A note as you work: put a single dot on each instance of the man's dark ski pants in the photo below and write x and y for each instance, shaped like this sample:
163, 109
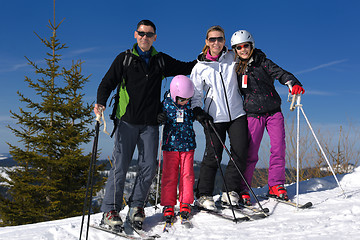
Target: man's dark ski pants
127, 137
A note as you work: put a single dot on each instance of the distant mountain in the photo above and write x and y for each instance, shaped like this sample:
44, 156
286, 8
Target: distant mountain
4, 156
6, 160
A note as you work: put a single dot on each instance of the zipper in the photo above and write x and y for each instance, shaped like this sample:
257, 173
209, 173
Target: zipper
226, 98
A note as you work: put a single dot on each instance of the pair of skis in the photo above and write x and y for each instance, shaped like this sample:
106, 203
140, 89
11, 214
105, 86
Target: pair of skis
249, 212
127, 231
288, 202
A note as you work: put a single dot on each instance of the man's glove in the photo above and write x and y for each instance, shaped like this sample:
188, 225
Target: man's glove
297, 89
202, 116
161, 118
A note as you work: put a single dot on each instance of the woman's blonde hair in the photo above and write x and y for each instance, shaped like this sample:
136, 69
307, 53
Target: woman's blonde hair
213, 28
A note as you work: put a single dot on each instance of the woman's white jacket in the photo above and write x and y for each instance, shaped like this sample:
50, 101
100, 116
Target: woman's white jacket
216, 88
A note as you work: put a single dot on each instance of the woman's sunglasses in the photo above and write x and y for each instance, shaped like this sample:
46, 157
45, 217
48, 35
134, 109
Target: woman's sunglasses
239, 47
213, 39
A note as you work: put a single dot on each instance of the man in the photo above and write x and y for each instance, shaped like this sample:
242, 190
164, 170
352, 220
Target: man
136, 120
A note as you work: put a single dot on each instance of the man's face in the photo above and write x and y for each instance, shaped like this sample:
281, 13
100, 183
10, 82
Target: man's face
145, 42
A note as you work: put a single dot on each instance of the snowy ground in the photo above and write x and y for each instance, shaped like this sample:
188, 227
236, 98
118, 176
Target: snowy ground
331, 217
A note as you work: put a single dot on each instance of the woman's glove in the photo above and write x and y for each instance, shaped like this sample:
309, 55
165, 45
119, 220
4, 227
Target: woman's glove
201, 116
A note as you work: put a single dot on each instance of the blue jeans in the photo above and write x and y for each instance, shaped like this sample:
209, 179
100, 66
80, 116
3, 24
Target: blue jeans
127, 137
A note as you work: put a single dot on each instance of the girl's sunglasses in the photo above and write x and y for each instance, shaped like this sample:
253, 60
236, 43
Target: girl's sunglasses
183, 99
239, 47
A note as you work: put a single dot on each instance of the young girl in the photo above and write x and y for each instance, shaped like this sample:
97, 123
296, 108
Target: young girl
256, 75
178, 148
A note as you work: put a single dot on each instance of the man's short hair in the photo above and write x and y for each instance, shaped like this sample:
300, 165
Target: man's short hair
146, 23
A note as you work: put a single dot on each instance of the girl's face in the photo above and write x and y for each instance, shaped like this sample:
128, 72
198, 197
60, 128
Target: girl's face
243, 50
216, 42
182, 101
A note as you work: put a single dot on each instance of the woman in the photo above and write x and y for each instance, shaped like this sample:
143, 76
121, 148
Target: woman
217, 89
256, 75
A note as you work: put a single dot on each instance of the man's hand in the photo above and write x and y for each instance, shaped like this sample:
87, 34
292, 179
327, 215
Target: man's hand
99, 109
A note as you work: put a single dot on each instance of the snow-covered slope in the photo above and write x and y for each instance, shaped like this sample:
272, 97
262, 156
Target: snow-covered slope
331, 217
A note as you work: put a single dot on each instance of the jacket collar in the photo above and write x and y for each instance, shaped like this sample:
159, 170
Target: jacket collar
135, 52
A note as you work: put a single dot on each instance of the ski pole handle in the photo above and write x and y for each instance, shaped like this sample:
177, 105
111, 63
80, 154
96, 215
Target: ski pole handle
293, 97
100, 117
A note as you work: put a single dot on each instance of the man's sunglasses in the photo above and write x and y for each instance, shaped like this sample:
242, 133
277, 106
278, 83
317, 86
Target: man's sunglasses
183, 99
239, 47
213, 39
148, 34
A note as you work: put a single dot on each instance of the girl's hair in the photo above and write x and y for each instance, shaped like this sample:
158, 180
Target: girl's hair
242, 65
213, 28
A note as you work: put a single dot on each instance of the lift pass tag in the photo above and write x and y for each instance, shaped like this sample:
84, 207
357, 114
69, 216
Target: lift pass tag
244, 81
180, 115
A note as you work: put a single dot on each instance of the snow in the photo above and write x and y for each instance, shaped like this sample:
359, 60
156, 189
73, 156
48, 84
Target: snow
333, 216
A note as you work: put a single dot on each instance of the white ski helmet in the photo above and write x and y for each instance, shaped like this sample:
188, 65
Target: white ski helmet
181, 86
242, 36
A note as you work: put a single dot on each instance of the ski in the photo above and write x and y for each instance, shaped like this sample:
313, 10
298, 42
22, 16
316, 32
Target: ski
240, 209
186, 222
130, 228
252, 215
219, 214
265, 211
169, 225
118, 233
288, 202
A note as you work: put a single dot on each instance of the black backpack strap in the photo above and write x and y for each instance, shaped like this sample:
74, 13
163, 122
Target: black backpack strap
127, 60
161, 63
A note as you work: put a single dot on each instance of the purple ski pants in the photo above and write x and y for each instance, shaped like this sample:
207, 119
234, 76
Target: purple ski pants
274, 125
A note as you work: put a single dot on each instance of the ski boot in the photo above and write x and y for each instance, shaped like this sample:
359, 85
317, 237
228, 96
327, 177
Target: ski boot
136, 217
234, 198
168, 212
245, 198
185, 210
113, 220
206, 202
278, 191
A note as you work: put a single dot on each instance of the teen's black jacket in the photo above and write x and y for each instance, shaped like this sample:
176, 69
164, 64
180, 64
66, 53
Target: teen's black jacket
260, 95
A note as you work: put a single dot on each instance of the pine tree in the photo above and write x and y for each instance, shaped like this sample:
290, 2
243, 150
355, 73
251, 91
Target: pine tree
50, 180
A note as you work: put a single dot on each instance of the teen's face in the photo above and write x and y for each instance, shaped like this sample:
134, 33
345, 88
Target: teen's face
216, 42
243, 50
145, 42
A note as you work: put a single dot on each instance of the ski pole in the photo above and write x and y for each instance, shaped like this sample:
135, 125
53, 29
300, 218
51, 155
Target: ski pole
299, 106
237, 168
222, 174
90, 179
159, 167
297, 98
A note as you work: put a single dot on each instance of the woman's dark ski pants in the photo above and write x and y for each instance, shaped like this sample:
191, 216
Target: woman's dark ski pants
238, 135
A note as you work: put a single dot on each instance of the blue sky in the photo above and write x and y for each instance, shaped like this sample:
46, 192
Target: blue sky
317, 41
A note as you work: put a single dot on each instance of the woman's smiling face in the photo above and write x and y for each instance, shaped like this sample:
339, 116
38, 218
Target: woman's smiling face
216, 42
